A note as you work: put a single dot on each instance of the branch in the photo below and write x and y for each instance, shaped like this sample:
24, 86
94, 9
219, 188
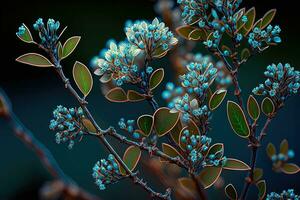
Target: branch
100, 134
151, 149
45, 156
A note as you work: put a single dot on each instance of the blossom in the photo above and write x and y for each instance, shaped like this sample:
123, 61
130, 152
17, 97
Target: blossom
284, 195
106, 171
118, 63
154, 38
67, 124
282, 81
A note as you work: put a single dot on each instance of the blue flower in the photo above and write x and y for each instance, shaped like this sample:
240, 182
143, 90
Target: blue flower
282, 81
141, 35
149, 70
67, 124
106, 171
284, 195
21, 31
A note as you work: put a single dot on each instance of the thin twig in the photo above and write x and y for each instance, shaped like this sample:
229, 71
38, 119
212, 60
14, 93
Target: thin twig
45, 156
101, 137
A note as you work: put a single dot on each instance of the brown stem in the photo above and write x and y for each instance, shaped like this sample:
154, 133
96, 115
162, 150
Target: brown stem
101, 137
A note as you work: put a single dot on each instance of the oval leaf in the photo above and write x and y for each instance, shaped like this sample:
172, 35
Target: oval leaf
253, 108
156, 78
70, 45
235, 164
237, 119
176, 132
131, 158
164, 121
290, 168
26, 37
34, 59
209, 175
267, 106
261, 186
83, 78
216, 149
59, 50
217, 98
89, 125
184, 31
188, 184
145, 123
245, 54
169, 150
116, 94
267, 18
271, 150
134, 96
284, 147
257, 174
230, 192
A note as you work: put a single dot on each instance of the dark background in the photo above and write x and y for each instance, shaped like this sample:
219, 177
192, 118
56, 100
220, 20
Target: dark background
35, 92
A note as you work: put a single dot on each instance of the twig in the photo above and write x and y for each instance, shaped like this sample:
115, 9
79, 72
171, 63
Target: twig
45, 156
101, 137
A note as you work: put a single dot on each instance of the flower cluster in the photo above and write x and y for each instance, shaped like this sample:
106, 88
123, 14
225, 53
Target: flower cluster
154, 38
67, 124
106, 171
196, 146
128, 126
283, 157
47, 34
170, 92
282, 81
118, 63
21, 31
189, 107
285, 195
198, 77
258, 38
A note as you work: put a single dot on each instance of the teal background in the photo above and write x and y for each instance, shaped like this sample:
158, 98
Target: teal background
35, 92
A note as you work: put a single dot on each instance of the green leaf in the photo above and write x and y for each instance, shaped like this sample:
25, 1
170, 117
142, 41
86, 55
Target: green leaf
88, 125
267, 106
185, 31
83, 78
59, 50
176, 132
235, 164
230, 192
70, 45
216, 149
134, 96
271, 150
34, 59
261, 186
251, 18
290, 168
131, 158
267, 18
160, 52
237, 119
284, 147
146, 123
156, 78
164, 121
116, 94
188, 184
209, 175
245, 54
197, 34
170, 151
257, 174
26, 37
253, 108
217, 98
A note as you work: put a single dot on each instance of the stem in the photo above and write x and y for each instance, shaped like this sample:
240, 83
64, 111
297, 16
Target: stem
46, 158
200, 189
151, 149
101, 137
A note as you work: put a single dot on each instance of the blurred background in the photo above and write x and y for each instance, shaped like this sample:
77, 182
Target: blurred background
35, 92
